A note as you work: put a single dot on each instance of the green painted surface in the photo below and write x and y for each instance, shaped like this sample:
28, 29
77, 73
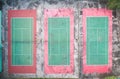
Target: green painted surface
22, 41
59, 41
97, 40
0, 44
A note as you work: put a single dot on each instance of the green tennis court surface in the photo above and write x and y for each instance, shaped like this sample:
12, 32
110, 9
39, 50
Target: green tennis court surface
0, 45
59, 41
97, 40
22, 41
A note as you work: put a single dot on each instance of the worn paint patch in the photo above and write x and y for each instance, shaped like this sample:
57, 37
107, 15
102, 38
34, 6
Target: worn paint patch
67, 33
92, 65
21, 41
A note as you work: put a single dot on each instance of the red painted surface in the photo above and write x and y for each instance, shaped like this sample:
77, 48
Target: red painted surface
58, 13
97, 68
21, 69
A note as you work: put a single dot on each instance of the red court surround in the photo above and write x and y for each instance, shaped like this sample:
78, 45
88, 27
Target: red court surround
97, 68
58, 13
21, 69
